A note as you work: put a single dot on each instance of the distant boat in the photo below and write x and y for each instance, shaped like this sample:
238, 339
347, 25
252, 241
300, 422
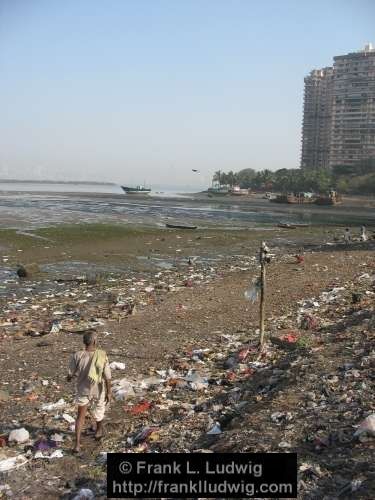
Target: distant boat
291, 226
136, 190
179, 226
295, 198
331, 199
237, 191
218, 191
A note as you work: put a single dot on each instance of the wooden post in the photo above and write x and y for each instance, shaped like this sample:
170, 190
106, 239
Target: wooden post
263, 252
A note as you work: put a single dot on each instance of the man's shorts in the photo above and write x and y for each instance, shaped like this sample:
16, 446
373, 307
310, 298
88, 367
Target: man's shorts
96, 405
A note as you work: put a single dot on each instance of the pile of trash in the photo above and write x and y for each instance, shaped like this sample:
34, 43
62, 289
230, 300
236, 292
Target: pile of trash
80, 303
309, 390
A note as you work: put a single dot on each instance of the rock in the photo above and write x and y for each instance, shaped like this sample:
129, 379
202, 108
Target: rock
21, 272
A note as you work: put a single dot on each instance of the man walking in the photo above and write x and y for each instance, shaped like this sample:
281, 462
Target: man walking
347, 236
91, 368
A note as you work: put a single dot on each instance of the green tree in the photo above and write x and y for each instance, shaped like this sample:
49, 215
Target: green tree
245, 178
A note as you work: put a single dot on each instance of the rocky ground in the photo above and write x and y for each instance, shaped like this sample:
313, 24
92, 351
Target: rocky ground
189, 339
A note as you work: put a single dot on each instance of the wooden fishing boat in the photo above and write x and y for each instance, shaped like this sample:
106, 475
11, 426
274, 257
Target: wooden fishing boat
136, 190
291, 226
179, 226
332, 199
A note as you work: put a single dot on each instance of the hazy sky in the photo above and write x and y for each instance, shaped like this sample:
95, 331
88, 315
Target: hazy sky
122, 90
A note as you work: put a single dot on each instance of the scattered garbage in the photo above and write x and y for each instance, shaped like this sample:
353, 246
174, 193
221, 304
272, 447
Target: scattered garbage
219, 393
366, 427
116, 365
141, 436
19, 436
309, 322
12, 463
141, 407
68, 418
123, 389
252, 293
57, 438
216, 429
54, 406
44, 444
55, 454
84, 494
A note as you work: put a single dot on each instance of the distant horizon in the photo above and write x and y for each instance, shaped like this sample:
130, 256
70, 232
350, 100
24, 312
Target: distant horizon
169, 187
127, 91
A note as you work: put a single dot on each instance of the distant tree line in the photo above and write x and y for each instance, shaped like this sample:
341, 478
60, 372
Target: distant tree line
357, 179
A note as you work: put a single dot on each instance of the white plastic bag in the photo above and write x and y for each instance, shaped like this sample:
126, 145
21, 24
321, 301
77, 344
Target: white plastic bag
19, 435
253, 291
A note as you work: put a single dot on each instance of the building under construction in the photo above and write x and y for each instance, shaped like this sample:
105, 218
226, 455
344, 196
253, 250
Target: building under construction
339, 112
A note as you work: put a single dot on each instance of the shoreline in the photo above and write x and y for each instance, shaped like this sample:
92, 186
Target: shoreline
198, 208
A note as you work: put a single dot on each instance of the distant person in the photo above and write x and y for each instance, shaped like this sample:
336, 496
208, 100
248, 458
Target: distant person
363, 234
91, 368
347, 236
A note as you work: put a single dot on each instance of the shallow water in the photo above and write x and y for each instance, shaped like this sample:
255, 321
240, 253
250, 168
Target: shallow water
27, 210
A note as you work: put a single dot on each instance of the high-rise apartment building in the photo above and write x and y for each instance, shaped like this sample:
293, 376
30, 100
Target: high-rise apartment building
317, 118
339, 112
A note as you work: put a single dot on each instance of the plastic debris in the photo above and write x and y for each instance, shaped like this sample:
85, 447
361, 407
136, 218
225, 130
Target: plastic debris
196, 381
367, 426
216, 429
54, 454
57, 438
53, 406
68, 418
253, 291
12, 463
309, 322
44, 444
139, 408
123, 389
19, 436
116, 365
84, 494
141, 436
150, 382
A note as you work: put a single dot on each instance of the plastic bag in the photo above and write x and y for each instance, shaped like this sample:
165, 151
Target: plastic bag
367, 426
19, 435
253, 291
123, 389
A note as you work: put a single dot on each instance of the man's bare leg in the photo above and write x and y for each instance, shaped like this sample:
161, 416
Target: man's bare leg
79, 426
99, 429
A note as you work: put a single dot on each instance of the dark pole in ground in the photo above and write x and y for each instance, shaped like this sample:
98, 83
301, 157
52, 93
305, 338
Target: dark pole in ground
264, 259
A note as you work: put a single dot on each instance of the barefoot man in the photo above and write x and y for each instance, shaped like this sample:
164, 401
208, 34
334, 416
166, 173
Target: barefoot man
91, 368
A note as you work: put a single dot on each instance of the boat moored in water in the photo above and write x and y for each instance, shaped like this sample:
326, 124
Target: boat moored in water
136, 190
179, 226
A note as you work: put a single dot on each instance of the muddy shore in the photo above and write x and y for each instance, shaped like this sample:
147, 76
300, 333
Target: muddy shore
182, 307
32, 210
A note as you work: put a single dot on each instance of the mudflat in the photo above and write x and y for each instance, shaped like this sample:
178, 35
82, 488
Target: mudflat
174, 300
